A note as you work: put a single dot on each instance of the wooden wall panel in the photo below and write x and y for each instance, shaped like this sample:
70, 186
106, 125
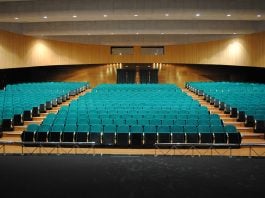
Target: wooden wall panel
24, 51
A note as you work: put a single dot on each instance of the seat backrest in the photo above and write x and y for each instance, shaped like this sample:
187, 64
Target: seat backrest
217, 129
109, 128
96, 128
32, 127
94, 121
83, 128
190, 129
57, 128
70, 128
149, 129
155, 122
131, 121
230, 129
163, 129
177, 129
44, 128
136, 129
204, 129
123, 129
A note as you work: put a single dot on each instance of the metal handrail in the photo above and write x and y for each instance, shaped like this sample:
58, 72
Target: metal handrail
210, 146
71, 145
170, 146
48, 143
196, 145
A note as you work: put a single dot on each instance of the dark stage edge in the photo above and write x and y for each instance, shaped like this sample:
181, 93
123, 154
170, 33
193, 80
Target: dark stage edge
130, 176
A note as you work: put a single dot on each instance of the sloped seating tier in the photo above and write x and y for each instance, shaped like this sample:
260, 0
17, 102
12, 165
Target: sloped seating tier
244, 101
21, 102
134, 115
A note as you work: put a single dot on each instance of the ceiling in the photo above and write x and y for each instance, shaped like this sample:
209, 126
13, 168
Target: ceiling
137, 22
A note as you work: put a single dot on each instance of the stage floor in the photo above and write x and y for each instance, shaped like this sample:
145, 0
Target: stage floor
131, 176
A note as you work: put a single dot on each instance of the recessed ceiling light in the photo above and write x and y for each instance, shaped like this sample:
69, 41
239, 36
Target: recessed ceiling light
74, 16
166, 14
45, 17
234, 33
136, 15
137, 33
105, 15
259, 15
198, 14
16, 18
228, 15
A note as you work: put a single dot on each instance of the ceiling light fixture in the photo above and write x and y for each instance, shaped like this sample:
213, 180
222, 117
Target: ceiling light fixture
137, 33
16, 18
228, 15
198, 14
162, 33
166, 14
105, 15
74, 16
45, 17
258, 15
234, 33
136, 15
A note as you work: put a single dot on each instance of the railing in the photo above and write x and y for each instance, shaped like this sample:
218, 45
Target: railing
186, 149
258, 149
49, 147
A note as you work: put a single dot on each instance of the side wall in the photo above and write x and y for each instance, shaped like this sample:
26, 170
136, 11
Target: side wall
24, 51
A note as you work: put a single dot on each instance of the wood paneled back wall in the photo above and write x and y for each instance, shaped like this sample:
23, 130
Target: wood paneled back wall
96, 74
25, 51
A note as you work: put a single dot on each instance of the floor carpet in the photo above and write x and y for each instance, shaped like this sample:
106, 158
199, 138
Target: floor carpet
131, 176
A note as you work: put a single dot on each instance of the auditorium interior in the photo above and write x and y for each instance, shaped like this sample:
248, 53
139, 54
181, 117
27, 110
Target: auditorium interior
143, 98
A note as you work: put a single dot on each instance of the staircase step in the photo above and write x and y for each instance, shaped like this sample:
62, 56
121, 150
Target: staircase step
11, 133
228, 119
20, 128
254, 140
38, 118
53, 111
43, 114
252, 135
236, 124
32, 122
245, 129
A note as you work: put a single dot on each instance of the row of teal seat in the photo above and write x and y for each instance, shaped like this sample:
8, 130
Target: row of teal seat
149, 115
123, 128
244, 101
125, 135
156, 122
117, 113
